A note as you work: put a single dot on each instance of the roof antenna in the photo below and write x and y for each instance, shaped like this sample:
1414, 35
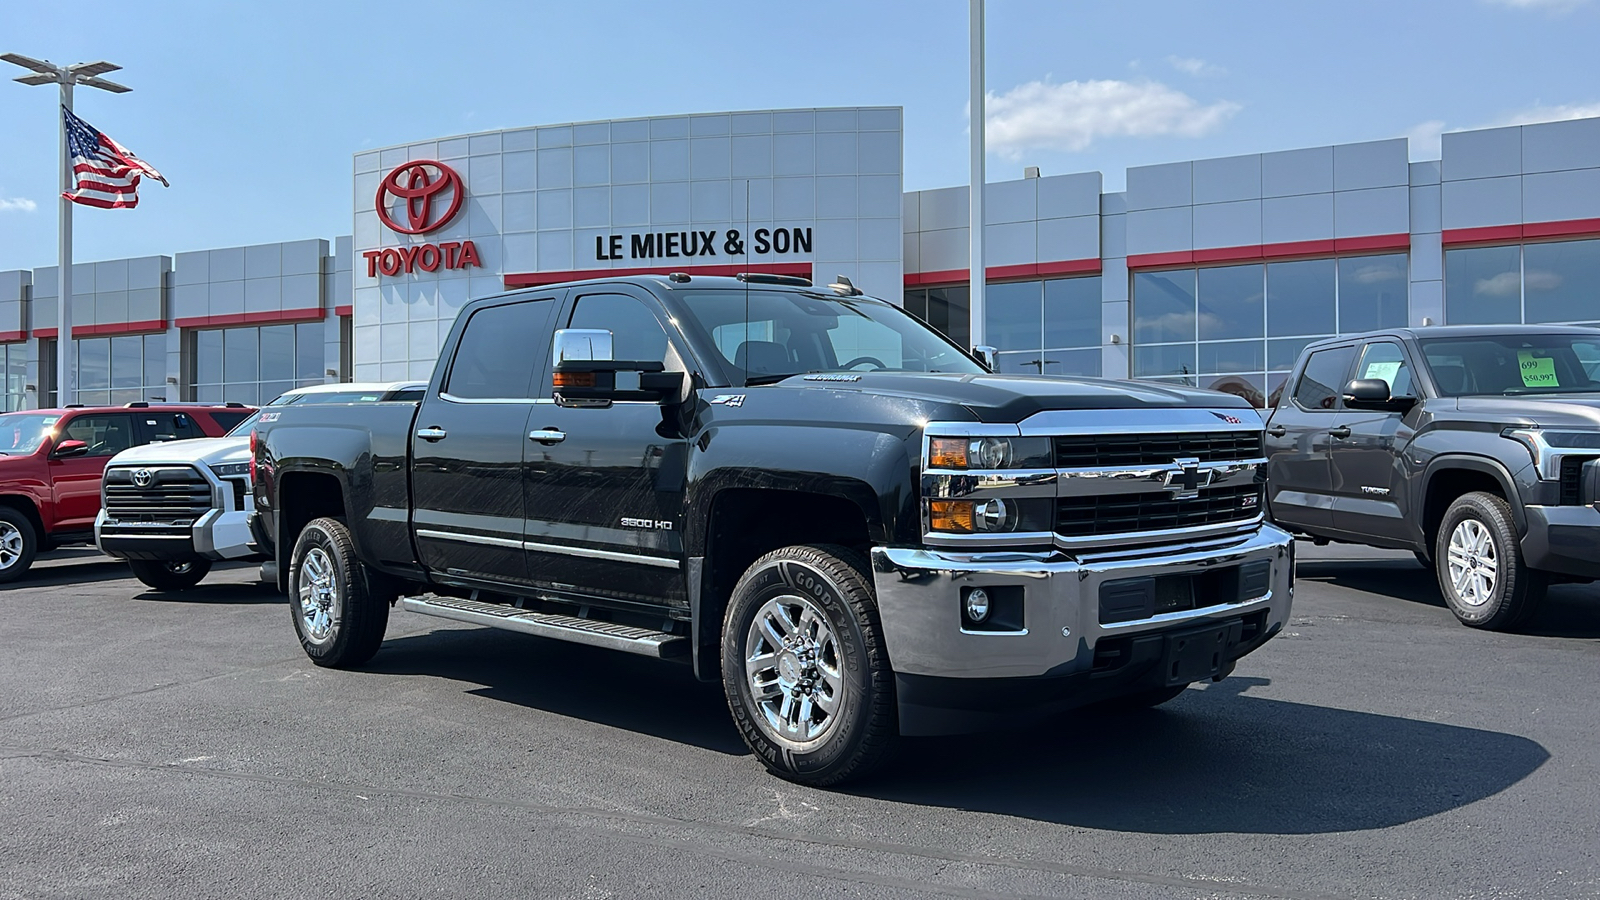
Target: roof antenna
746, 284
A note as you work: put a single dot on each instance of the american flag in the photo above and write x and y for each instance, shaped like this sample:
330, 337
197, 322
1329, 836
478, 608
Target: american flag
106, 172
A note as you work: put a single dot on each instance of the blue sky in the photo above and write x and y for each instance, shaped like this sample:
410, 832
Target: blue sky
252, 110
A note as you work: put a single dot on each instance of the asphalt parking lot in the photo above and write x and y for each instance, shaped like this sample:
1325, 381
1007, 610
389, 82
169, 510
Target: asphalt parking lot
180, 745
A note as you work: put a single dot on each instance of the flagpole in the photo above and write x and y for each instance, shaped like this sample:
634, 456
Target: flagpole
65, 370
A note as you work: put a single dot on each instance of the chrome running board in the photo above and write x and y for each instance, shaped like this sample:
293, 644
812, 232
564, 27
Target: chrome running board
609, 635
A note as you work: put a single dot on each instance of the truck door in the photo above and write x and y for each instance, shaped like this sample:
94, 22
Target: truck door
604, 486
467, 447
1299, 435
76, 479
1368, 476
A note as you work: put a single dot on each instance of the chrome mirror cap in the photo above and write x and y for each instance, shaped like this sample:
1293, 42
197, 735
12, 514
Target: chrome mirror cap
582, 345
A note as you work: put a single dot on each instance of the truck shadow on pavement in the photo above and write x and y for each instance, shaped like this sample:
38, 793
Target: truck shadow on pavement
1216, 760
1570, 610
68, 575
634, 693
220, 594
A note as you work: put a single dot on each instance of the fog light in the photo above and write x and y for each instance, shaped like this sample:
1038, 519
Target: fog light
977, 604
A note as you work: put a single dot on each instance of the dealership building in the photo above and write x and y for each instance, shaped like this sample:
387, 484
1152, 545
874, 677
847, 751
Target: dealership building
1209, 272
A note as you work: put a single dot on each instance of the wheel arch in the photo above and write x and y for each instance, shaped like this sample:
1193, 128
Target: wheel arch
1449, 476
304, 495
30, 509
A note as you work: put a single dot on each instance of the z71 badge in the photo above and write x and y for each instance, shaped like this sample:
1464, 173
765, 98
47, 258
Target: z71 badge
727, 400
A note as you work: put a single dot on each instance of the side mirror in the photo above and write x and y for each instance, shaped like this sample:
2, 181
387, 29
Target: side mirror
586, 375
68, 449
1373, 393
986, 355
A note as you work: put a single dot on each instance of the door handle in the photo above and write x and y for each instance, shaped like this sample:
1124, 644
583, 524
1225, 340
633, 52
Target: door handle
1277, 431
1343, 431
431, 433
547, 436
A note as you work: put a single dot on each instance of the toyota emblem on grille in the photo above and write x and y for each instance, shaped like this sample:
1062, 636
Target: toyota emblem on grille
1186, 481
142, 477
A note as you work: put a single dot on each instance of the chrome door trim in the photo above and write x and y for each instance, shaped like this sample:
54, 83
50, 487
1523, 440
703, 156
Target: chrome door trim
537, 547
469, 538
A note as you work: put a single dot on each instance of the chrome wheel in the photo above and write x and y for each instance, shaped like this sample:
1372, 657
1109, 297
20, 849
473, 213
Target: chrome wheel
318, 595
180, 568
794, 670
1474, 568
10, 545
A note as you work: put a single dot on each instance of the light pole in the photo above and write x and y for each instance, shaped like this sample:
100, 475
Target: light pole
88, 75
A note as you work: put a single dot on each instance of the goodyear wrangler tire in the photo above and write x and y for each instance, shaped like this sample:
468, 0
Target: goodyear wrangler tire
337, 613
804, 667
1478, 560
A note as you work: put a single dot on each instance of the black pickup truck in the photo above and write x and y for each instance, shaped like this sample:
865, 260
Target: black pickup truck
809, 495
1475, 447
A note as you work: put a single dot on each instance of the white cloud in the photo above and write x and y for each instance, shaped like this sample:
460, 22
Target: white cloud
1555, 6
1196, 67
1505, 284
1071, 115
1423, 139
17, 204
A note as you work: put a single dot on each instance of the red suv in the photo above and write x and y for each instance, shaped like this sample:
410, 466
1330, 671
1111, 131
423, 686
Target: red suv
51, 461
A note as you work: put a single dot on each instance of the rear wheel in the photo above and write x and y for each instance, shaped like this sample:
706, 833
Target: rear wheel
170, 574
19, 544
339, 613
1479, 564
804, 666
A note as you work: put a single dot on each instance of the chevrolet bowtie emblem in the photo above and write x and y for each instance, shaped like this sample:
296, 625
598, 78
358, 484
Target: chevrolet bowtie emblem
1186, 481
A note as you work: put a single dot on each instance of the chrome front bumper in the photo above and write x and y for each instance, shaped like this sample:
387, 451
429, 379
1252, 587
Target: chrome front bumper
920, 592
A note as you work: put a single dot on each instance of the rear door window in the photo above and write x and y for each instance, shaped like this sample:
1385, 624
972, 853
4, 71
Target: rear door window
106, 435
498, 350
168, 426
1323, 380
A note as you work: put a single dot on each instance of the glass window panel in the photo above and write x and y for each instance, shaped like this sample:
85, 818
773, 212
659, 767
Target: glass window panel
277, 353
1324, 378
106, 435
1300, 297
1163, 306
207, 357
1252, 387
1282, 354
1233, 356
125, 396
127, 362
1385, 362
1185, 381
492, 358
916, 303
208, 393
1026, 362
1170, 359
308, 351
271, 389
1482, 286
248, 393
1372, 292
240, 354
155, 361
950, 311
94, 364
636, 333
1014, 315
1561, 281
1275, 383
1072, 362
1072, 313
1231, 302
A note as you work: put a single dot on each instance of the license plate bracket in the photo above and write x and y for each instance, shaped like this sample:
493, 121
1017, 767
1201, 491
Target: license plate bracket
1199, 653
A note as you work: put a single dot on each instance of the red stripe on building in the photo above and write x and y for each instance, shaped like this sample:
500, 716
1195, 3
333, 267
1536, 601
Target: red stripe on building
146, 327
1510, 234
11, 337
535, 279
344, 310
1007, 273
271, 317
1375, 243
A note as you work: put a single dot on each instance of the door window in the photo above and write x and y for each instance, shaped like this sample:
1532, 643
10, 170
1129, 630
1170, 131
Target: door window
105, 435
1386, 362
170, 427
636, 333
1323, 379
495, 357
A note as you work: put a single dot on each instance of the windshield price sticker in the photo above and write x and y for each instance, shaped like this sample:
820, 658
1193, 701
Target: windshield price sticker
1537, 371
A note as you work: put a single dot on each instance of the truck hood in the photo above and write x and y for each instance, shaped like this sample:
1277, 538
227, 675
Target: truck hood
1547, 410
200, 451
1012, 398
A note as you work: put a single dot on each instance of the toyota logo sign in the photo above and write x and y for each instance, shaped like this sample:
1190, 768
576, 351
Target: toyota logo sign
416, 186
142, 478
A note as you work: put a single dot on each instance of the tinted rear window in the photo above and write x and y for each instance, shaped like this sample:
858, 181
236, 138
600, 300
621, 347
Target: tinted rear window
229, 418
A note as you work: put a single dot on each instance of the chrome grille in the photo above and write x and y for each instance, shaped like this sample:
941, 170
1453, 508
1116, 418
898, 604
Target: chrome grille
1099, 450
172, 494
1109, 514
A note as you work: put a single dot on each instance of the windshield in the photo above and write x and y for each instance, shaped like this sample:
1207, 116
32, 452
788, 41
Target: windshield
767, 335
22, 433
1501, 365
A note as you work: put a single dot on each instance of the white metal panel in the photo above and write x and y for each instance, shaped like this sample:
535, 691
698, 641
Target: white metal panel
1425, 172
591, 207
483, 173
302, 257
838, 197
837, 154
669, 127
555, 251
555, 136
192, 267
517, 211
701, 126
1377, 211
1426, 302
630, 163
1299, 217
554, 209
794, 198
911, 211
520, 171
711, 201
669, 203
1065, 196
1160, 230
1425, 208
1227, 179
669, 160
837, 242
263, 261
880, 152
555, 168
945, 249
911, 251
1069, 239
838, 120
299, 291
880, 239
262, 294
630, 204
227, 297
1011, 244
1289, 173
794, 154
591, 133
1371, 164
191, 301
709, 157
1113, 236
1557, 146
521, 252
1235, 224
1157, 187
1480, 154
1559, 196
1011, 201
1114, 284
945, 208
751, 156
880, 195
1480, 202
111, 275
1427, 259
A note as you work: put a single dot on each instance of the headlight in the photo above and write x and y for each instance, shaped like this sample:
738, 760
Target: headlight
1548, 447
231, 470
973, 516
1575, 440
988, 453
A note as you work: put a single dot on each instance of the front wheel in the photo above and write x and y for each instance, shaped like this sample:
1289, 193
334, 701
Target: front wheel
338, 614
1479, 564
170, 574
19, 544
804, 667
